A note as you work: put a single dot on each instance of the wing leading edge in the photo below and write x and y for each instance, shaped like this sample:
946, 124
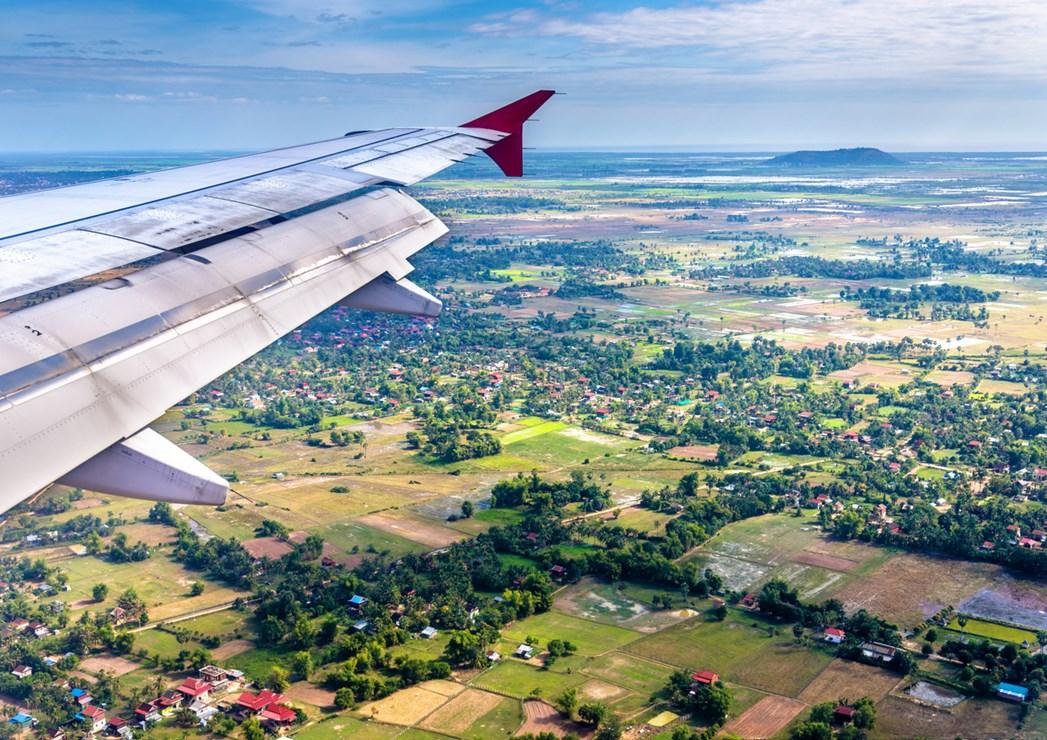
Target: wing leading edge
238, 256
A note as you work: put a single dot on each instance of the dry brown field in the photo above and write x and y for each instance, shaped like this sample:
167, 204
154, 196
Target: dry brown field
765, 718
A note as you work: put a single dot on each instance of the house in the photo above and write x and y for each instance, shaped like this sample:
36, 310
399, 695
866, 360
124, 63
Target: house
276, 716
22, 721
557, 572
362, 626
119, 726
834, 635
988, 546
22, 671
94, 717
56, 734
879, 651
748, 602
81, 697
219, 677
250, 704
429, 633
525, 652
1029, 543
147, 713
118, 616
1012, 692
494, 656
169, 701
195, 689
703, 678
357, 603
843, 714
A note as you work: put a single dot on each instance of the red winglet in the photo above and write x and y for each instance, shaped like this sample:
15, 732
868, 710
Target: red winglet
509, 119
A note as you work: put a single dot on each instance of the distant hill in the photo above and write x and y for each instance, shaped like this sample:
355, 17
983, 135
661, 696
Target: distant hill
861, 156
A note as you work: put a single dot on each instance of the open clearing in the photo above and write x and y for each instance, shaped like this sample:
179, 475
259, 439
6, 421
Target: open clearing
541, 717
765, 718
1010, 600
308, 693
987, 718
846, 679
231, 648
910, 587
113, 664
457, 715
409, 706
413, 528
702, 453
602, 602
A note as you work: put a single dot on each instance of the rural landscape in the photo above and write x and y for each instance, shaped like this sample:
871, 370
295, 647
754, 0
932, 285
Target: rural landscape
701, 446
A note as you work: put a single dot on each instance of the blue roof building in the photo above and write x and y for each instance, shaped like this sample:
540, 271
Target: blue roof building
1012, 692
22, 719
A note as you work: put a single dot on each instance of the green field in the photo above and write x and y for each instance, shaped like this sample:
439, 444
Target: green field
994, 631
514, 678
738, 651
591, 638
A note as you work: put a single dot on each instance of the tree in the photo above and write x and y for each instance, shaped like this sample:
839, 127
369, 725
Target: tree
252, 729
712, 703
302, 664
567, 702
811, 731
278, 679
196, 589
100, 591
464, 648
467, 509
344, 698
864, 713
592, 713
611, 729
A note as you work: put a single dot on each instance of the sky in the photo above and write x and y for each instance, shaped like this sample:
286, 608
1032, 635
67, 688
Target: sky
718, 75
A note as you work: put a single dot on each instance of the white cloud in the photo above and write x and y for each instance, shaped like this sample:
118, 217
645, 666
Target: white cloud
832, 39
131, 97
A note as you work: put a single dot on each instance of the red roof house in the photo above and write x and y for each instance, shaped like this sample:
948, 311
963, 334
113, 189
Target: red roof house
705, 678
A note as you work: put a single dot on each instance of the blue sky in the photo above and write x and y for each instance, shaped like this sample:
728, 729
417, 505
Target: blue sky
766, 75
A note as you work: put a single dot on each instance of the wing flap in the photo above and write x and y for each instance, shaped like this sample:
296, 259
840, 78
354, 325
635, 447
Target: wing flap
41, 263
183, 222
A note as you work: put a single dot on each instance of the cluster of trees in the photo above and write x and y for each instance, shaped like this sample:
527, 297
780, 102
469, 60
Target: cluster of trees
544, 495
817, 267
922, 293
711, 703
757, 360
822, 724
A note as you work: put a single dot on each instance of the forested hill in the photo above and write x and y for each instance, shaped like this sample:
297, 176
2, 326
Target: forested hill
859, 156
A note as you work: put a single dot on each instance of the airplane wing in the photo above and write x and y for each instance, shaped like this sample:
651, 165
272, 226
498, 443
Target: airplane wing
208, 264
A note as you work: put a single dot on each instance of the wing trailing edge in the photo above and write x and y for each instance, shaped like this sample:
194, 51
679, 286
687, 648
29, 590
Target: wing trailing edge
509, 119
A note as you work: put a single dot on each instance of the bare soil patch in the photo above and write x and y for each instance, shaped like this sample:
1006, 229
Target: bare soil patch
406, 707
542, 717
308, 693
457, 715
112, 663
909, 587
821, 560
765, 718
84, 676
231, 648
87, 503
411, 528
695, 452
602, 691
1011, 601
984, 718
269, 548
845, 679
